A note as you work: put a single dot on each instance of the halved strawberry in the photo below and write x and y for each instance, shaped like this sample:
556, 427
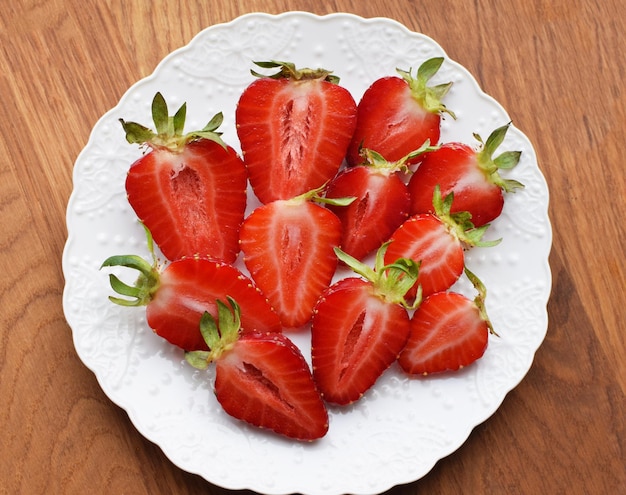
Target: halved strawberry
189, 189
437, 241
294, 128
287, 246
359, 327
397, 114
381, 205
261, 378
448, 331
178, 293
471, 174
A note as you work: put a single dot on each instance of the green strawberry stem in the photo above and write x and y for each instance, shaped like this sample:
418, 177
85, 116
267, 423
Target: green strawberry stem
391, 282
479, 300
505, 161
428, 96
460, 224
288, 70
219, 335
147, 283
169, 129
316, 196
377, 161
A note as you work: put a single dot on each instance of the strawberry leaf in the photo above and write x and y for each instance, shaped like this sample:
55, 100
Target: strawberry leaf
376, 160
505, 161
288, 70
219, 335
428, 69
179, 120
136, 133
428, 96
479, 300
160, 114
460, 223
214, 123
145, 286
198, 359
169, 130
315, 195
391, 282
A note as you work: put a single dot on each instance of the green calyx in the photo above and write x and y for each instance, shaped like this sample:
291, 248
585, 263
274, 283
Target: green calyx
479, 300
505, 161
428, 96
460, 223
377, 161
169, 129
316, 196
391, 282
288, 70
147, 283
219, 335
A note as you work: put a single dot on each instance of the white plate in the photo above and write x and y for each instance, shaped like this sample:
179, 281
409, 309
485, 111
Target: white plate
403, 426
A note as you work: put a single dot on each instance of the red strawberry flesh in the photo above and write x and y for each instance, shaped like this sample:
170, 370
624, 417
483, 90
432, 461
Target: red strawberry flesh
288, 249
265, 381
356, 336
426, 240
192, 201
294, 134
447, 333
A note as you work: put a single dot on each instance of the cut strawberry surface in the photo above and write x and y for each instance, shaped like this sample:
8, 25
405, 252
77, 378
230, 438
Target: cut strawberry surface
177, 294
294, 129
359, 327
261, 378
189, 189
383, 204
288, 249
472, 175
437, 242
397, 114
425, 239
382, 200
448, 331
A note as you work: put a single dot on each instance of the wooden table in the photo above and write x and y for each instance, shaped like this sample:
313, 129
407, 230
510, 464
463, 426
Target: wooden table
557, 66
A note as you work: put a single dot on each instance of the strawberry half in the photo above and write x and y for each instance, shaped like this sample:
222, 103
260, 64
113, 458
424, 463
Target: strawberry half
189, 189
359, 327
397, 114
260, 378
294, 128
472, 175
287, 246
448, 331
382, 201
437, 242
177, 295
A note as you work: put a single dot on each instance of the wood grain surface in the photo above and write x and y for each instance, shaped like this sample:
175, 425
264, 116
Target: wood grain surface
557, 66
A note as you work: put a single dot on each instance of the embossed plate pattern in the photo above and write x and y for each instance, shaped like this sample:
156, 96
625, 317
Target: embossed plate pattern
403, 426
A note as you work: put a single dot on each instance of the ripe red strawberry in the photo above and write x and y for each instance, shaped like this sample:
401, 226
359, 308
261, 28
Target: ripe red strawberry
382, 201
448, 331
288, 249
473, 176
359, 327
189, 189
261, 378
294, 128
436, 241
177, 294
397, 114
